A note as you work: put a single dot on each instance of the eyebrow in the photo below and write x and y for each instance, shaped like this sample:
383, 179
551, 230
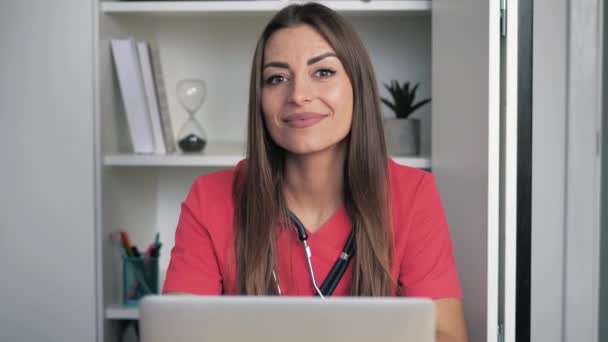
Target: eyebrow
311, 61
320, 57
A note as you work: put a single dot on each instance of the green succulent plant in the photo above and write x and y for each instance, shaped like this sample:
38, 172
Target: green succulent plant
403, 99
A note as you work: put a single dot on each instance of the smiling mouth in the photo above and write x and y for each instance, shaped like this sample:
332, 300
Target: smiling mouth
302, 120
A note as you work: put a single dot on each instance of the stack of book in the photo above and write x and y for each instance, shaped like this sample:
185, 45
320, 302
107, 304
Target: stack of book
139, 73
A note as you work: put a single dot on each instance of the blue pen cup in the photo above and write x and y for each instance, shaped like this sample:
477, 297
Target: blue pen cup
139, 278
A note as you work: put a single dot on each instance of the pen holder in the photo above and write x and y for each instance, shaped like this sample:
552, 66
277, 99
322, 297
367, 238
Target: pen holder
139, 278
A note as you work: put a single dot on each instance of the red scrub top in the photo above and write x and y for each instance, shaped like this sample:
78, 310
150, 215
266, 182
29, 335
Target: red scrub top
423, 261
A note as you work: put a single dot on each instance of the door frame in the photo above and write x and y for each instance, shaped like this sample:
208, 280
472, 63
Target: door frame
516, 170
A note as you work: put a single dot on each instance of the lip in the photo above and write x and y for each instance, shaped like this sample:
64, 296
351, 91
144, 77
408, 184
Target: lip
304, 119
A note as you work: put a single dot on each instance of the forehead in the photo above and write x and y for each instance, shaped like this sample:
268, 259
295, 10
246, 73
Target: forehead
297, 42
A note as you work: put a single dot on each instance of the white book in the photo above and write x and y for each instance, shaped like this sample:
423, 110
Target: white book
146, 72
163, 103
131, 85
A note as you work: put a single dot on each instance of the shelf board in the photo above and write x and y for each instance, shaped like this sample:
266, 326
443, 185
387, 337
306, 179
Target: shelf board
228, 160
172, 160
118, 311
219, 154
259, 6
417, 162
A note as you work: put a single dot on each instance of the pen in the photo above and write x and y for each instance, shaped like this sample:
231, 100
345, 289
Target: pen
156, 250
126, 243
148, 252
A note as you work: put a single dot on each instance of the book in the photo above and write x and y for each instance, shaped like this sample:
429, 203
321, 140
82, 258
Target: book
163, 103
143, 51
127, 66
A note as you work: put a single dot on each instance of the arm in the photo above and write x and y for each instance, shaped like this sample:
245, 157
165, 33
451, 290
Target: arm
450, 322
193, 268
428, 268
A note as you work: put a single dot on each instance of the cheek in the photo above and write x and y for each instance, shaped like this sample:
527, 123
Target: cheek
340, 98
272, 102
268, 108
266, 104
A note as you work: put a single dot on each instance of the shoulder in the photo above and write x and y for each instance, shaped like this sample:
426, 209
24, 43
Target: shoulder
405, 180
210, 196
413, 193
217, 183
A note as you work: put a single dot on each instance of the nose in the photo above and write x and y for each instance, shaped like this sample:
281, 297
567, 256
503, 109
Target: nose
301, 90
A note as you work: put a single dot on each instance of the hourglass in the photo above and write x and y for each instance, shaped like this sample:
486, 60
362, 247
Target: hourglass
191, 94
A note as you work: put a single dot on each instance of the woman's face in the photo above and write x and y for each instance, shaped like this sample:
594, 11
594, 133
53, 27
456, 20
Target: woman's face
307, 97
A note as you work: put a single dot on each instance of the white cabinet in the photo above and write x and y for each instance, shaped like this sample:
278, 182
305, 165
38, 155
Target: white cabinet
47, 207
451, 49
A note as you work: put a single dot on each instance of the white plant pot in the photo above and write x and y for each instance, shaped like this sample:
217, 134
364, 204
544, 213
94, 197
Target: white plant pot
402, 136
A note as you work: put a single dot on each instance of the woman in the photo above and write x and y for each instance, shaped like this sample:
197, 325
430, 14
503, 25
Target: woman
316, 160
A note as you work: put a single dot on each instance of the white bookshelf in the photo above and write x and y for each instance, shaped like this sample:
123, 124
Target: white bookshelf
264, 6
142, 193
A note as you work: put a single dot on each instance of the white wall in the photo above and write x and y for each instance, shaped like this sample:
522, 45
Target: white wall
548, 175
47, 282
465, 148
582, 237
565, 190
603, 323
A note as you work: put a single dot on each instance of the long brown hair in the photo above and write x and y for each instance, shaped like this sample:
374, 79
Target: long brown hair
257, 189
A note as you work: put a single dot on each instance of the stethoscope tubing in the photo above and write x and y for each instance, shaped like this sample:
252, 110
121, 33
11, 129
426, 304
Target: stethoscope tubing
339, 268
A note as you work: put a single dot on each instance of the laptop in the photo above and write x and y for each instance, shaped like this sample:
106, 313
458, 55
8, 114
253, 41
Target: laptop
178, 318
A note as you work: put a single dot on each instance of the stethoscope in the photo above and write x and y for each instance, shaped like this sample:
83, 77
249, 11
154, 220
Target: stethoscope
337, 271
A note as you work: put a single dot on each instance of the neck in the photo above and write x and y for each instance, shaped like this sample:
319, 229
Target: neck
314, 184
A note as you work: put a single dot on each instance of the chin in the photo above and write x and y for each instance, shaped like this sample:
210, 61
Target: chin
302, 150
298, 148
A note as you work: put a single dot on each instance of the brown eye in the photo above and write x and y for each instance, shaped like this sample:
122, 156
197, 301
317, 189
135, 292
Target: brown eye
325, 73
274, 79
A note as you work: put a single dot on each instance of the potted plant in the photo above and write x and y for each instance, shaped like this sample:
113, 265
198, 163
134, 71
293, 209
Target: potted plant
402, 133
